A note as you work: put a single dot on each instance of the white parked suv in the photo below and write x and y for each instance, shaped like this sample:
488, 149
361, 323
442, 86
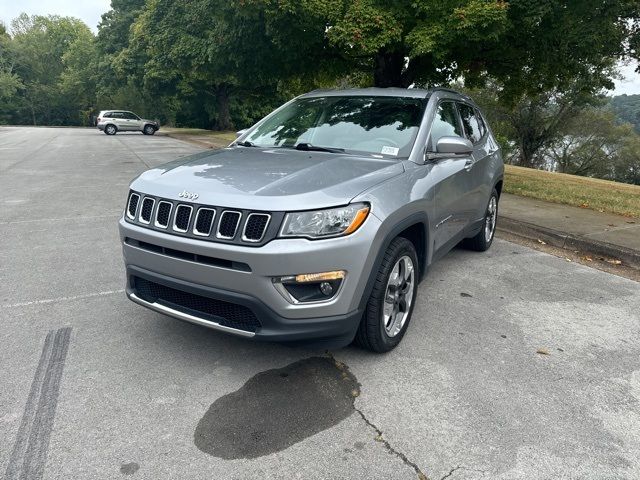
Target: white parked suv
113, 121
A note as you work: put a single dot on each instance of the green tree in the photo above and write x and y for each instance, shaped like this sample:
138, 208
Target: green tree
10, 82
590, 144
527, 46
531, 124
627, 109
220, 57
40, 44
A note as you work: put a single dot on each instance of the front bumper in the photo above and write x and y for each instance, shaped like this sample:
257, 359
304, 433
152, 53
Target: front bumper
338, 330
279, 319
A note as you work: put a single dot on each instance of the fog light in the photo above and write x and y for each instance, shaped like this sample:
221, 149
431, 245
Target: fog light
310, 287
326, 288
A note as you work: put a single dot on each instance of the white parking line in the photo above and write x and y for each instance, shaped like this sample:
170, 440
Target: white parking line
62, 299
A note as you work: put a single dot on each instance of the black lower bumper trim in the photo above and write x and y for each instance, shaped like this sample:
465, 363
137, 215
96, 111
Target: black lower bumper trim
330, 331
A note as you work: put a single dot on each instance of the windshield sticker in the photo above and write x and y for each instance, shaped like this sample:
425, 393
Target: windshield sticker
390, 150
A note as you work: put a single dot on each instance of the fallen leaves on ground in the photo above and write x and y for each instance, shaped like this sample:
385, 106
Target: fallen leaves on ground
541, 242
542, 351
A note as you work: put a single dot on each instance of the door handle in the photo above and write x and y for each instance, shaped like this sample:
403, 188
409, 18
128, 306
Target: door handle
468, 165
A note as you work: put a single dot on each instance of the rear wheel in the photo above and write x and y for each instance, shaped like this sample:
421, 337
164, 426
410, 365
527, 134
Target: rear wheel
390, 306
148, 130
483, 240
110, 129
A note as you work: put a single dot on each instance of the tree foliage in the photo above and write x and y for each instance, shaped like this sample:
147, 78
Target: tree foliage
217, 64
627, 109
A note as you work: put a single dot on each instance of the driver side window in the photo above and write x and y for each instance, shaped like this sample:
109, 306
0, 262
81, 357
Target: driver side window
445, 123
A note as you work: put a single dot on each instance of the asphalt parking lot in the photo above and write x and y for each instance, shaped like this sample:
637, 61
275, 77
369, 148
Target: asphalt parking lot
517, 364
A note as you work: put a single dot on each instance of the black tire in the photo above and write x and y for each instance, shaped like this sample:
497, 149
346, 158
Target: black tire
110, 129
149, 129
480, 243
372, 334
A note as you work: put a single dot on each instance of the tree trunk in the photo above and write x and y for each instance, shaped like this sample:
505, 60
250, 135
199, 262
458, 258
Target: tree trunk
527, 152
388, 69
223, 120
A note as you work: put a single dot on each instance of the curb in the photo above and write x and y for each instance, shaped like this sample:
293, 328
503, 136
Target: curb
567, 241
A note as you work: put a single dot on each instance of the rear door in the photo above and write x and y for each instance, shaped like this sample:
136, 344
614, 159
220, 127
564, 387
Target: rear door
451, 178
118, 119
479, 172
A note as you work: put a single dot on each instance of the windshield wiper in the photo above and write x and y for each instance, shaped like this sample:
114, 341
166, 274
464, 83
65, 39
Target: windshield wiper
246, 143
315, 148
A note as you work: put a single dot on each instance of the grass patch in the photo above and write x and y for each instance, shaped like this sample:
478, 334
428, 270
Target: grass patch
593, 193
217, 138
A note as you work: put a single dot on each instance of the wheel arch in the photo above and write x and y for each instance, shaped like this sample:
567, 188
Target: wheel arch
498, 186
414, 228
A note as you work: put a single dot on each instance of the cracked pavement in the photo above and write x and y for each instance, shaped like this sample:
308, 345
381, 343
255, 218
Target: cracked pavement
465, 396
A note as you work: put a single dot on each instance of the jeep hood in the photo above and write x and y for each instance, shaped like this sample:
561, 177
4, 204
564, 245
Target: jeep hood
274, 179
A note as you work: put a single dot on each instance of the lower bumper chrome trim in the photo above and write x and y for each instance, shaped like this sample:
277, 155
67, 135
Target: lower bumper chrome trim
189, 318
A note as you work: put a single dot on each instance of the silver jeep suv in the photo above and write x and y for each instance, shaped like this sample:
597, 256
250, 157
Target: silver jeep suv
319, 221
114, 121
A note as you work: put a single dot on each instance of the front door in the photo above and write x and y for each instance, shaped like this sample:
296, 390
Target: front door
452, 180
132, 120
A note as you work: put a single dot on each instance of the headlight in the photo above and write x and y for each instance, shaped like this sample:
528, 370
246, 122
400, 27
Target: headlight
332, 222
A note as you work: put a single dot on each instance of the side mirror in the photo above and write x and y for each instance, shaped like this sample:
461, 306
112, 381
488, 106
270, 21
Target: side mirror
454, 145
239, 133
448, 147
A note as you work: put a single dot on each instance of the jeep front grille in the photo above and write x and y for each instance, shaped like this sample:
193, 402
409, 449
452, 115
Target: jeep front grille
132, 207
255, 227
163, 214
228, 225
146, 210
202, 222
183, 216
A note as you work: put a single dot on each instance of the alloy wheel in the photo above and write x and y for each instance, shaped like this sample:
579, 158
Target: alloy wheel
398, 296
490, 219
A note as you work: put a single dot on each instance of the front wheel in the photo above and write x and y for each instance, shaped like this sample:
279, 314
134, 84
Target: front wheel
388, 312
483, 240
149, 130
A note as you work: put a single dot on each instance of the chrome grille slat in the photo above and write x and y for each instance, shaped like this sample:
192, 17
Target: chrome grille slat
146, 210
182, 218
228, 224
132, 205
204, 222
255, 227
163, 214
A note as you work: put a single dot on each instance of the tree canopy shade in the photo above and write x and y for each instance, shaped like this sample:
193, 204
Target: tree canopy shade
527, 45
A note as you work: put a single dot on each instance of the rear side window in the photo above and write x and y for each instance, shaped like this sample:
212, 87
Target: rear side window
445, 123
473, 125
107, 115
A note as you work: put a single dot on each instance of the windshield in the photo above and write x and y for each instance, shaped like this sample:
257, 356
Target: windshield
375, 125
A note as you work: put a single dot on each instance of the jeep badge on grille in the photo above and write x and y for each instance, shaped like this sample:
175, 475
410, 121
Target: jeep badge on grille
188, 195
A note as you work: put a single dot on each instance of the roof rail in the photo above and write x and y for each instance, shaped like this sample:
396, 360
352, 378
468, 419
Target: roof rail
450, 90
